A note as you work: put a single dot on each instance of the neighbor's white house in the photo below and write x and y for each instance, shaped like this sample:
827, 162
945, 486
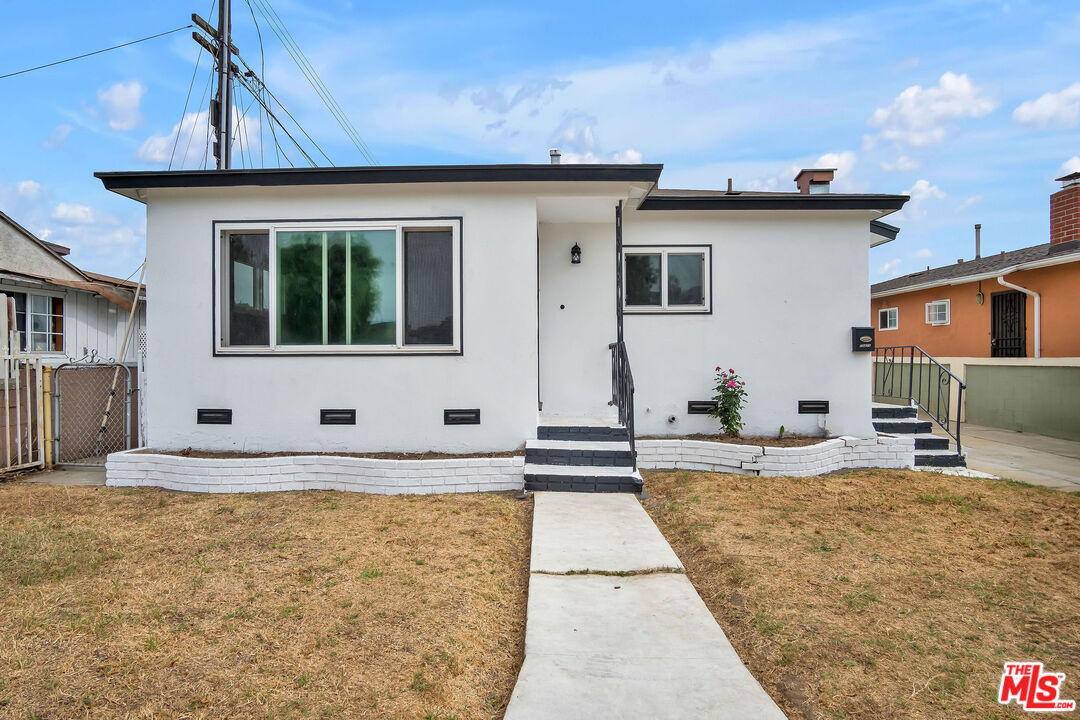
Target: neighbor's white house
465, 309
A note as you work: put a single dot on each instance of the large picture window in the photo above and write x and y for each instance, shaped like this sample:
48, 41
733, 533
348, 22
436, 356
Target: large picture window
666, 279
355, 288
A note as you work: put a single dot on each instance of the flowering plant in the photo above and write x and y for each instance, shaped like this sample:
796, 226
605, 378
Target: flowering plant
730, 396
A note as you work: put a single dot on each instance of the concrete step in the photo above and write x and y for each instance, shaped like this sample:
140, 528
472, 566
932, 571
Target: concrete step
570, 452
894, 412
585, 433
903, 427
929, 441
579, 478
939, 458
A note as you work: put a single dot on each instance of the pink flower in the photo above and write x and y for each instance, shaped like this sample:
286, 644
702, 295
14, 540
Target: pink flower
732, 383
731, 371
717, 368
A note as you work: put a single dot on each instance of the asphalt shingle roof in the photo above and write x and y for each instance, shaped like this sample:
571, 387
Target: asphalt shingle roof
971, 268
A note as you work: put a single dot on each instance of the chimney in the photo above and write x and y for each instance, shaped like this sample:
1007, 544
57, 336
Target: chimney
729, 184
978, 241
814, 180
1065, 210
556, 156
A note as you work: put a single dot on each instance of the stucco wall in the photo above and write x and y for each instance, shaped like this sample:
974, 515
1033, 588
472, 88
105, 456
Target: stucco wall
787, 289
968, 333
18, 253
398, 400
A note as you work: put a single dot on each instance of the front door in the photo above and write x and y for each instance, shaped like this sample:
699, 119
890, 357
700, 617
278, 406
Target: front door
1007, 327
577, 319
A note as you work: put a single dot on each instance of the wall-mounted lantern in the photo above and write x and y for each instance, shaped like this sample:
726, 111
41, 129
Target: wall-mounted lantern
575, 255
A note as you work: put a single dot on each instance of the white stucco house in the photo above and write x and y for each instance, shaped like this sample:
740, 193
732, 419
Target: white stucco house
469, 309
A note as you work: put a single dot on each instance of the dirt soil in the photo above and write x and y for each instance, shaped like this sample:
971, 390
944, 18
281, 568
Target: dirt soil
214, 454
881, 594
140, 603
786, 441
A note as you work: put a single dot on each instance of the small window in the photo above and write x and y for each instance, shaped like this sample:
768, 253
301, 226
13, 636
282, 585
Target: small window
889, 319
666, 279
39, 321
937, 312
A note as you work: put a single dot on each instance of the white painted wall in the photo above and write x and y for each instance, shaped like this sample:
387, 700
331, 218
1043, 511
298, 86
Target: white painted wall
399, 400
577, 319
787, 288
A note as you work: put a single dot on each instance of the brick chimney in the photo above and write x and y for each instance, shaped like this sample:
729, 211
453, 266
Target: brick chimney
1065, 210
814, 180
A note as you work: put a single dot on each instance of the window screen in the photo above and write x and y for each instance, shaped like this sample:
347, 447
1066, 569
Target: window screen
429, 287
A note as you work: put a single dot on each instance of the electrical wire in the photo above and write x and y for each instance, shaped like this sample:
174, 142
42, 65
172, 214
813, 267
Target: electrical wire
262, 74
279, 28
183, 113
282, 126
286, 110
96, 52
194, 123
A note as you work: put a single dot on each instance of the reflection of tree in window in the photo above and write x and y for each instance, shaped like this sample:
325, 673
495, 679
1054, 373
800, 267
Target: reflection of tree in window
685, 278
299, 291
643, 279
373, 287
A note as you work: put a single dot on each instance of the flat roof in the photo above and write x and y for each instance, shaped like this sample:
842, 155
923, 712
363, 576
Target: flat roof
664, 199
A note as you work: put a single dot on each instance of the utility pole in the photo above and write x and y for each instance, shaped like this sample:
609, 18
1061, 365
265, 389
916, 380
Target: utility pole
223, 119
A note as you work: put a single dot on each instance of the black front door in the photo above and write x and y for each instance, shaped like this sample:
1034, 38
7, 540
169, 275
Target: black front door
1007, 326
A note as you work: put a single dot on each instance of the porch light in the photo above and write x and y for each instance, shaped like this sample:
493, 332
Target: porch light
575, 255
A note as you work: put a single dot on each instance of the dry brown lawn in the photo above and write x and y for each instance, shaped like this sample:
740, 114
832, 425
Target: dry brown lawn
881, 594
149, 604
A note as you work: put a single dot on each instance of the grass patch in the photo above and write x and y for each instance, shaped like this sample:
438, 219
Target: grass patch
887, 594
145, 603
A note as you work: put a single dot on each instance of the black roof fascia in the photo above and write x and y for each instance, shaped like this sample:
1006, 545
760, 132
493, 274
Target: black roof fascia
795, 201
117, 181
885, 230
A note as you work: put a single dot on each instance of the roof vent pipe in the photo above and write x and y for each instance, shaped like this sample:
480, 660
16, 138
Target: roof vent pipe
556, 156
978, 241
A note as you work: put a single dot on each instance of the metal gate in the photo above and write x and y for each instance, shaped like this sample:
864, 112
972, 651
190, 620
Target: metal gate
92, 411
1008, 327
23, 443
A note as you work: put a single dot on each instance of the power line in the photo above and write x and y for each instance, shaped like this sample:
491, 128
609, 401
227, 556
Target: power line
96, 52
183, 113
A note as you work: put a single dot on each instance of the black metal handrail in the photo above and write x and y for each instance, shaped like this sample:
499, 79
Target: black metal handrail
622, 391
928, 384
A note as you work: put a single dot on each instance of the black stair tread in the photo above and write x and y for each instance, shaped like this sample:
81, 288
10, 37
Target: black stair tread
951, 460
898, 412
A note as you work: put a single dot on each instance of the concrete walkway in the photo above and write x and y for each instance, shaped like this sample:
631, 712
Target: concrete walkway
603, 645
1036, 459
73, 476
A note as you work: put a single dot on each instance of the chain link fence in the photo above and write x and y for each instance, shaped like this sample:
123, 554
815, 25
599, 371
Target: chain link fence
88, 425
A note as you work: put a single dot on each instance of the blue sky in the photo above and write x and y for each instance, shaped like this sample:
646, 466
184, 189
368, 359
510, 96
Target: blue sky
971, 107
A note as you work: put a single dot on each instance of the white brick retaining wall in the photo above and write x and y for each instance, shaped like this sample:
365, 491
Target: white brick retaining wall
884, 451
133, 468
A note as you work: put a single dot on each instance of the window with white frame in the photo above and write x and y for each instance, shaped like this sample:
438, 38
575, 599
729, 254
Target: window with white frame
39, 320
673, 278
358, 287
888, 319
937, 312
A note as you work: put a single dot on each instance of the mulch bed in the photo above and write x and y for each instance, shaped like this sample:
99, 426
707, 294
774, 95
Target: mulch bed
215, 454
786, 441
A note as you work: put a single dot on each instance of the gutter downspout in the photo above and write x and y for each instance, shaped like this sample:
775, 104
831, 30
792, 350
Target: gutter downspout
1038, 311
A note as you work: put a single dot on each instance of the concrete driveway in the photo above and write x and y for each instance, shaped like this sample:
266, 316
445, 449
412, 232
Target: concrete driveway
1035, 459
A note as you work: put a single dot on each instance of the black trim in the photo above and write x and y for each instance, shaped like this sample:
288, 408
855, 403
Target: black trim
629, 310
214, 352
700, 407
140, 180
885, 230
343, 416
795, 201
213, 416
813, 407
469, 416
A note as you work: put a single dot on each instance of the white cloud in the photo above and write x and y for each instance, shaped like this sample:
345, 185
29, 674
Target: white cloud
57, 137
1071, 165
902, 164
844, 162
120, 101
973, 200
918, 116
194, 141
629, 155
922, 192
1053, 109
922, 253
890, 268
28, 189
75, 214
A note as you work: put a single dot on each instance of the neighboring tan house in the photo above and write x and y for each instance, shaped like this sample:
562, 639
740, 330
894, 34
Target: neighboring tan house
1016, 309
